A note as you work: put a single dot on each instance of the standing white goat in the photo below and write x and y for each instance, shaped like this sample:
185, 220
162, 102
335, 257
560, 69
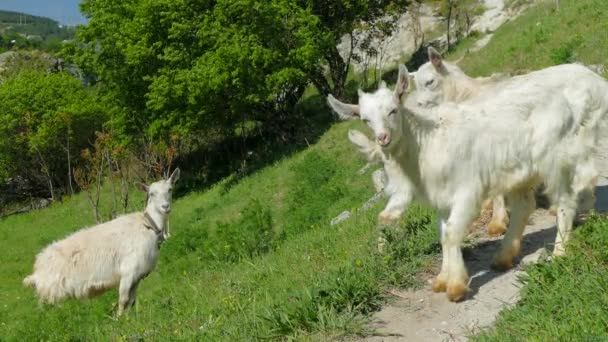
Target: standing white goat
119, 253
438, 81
475, 150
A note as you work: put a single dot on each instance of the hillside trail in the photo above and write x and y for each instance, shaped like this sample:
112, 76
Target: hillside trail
421, 315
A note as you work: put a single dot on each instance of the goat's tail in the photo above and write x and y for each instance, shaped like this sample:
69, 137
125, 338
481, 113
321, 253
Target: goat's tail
368, 148
29, 281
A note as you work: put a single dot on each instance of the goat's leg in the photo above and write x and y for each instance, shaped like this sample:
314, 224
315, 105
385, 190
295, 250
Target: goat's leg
500, 218
566, 211
441, 281
395, 207
522, 205
124, 294
132, 295
583, 185
453, 232
586, 200
399, 190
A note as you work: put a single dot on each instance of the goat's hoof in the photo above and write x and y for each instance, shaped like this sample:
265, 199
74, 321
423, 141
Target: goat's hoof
502, 264
439, 285
559, 251
496, 228
387, 218
457, 291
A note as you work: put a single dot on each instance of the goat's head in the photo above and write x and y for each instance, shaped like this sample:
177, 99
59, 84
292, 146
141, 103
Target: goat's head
159, 193
430, 80
380, 110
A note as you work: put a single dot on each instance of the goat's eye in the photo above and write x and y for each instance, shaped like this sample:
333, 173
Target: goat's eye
366, 121
430, 82
152, 194
392, 112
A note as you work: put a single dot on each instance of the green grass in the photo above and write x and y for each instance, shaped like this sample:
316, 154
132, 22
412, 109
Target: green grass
252, 260
544, 36
565, 299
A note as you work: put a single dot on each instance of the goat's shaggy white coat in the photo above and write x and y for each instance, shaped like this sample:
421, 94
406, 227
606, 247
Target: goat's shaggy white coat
119, 253
438, 81
482, 148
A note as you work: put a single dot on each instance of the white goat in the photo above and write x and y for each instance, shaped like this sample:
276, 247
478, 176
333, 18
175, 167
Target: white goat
119, 253
438, 81
478, 149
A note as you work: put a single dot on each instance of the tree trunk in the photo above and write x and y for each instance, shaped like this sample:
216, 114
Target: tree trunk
338, 71
69, 165
47, 173
448, 22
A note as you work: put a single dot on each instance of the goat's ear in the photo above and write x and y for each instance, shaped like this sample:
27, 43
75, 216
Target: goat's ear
435, 58
345, 111
358, 139
382, 84
142, 187
402, 81
174, 176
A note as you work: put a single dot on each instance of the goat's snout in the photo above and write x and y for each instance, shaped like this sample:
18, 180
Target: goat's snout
383, 139
166, 207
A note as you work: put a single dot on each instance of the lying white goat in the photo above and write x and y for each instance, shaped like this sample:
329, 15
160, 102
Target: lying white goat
478, 149
119, 253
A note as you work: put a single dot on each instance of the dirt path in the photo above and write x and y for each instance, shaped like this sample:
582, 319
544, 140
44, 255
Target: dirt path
426, 316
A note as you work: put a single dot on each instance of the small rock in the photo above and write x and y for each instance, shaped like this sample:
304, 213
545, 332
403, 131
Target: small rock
345, 215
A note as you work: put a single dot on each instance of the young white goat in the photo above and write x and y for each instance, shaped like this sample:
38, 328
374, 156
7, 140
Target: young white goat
478, 149
438, 81
585, 91
119, 253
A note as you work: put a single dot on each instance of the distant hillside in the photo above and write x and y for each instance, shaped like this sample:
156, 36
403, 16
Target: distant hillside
31, 31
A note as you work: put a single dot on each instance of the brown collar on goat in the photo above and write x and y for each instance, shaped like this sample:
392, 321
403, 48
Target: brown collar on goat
150, 224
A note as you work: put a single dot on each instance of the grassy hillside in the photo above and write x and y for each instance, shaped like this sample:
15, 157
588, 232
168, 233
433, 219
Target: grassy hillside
257, 259
545, 36
253, 260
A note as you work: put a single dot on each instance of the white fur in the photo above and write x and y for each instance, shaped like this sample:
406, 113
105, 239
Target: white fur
438, 81
506, 143
93, 260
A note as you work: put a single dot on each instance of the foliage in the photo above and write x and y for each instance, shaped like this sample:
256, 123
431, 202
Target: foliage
458, 16
215, 67
45, 121
186, 67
